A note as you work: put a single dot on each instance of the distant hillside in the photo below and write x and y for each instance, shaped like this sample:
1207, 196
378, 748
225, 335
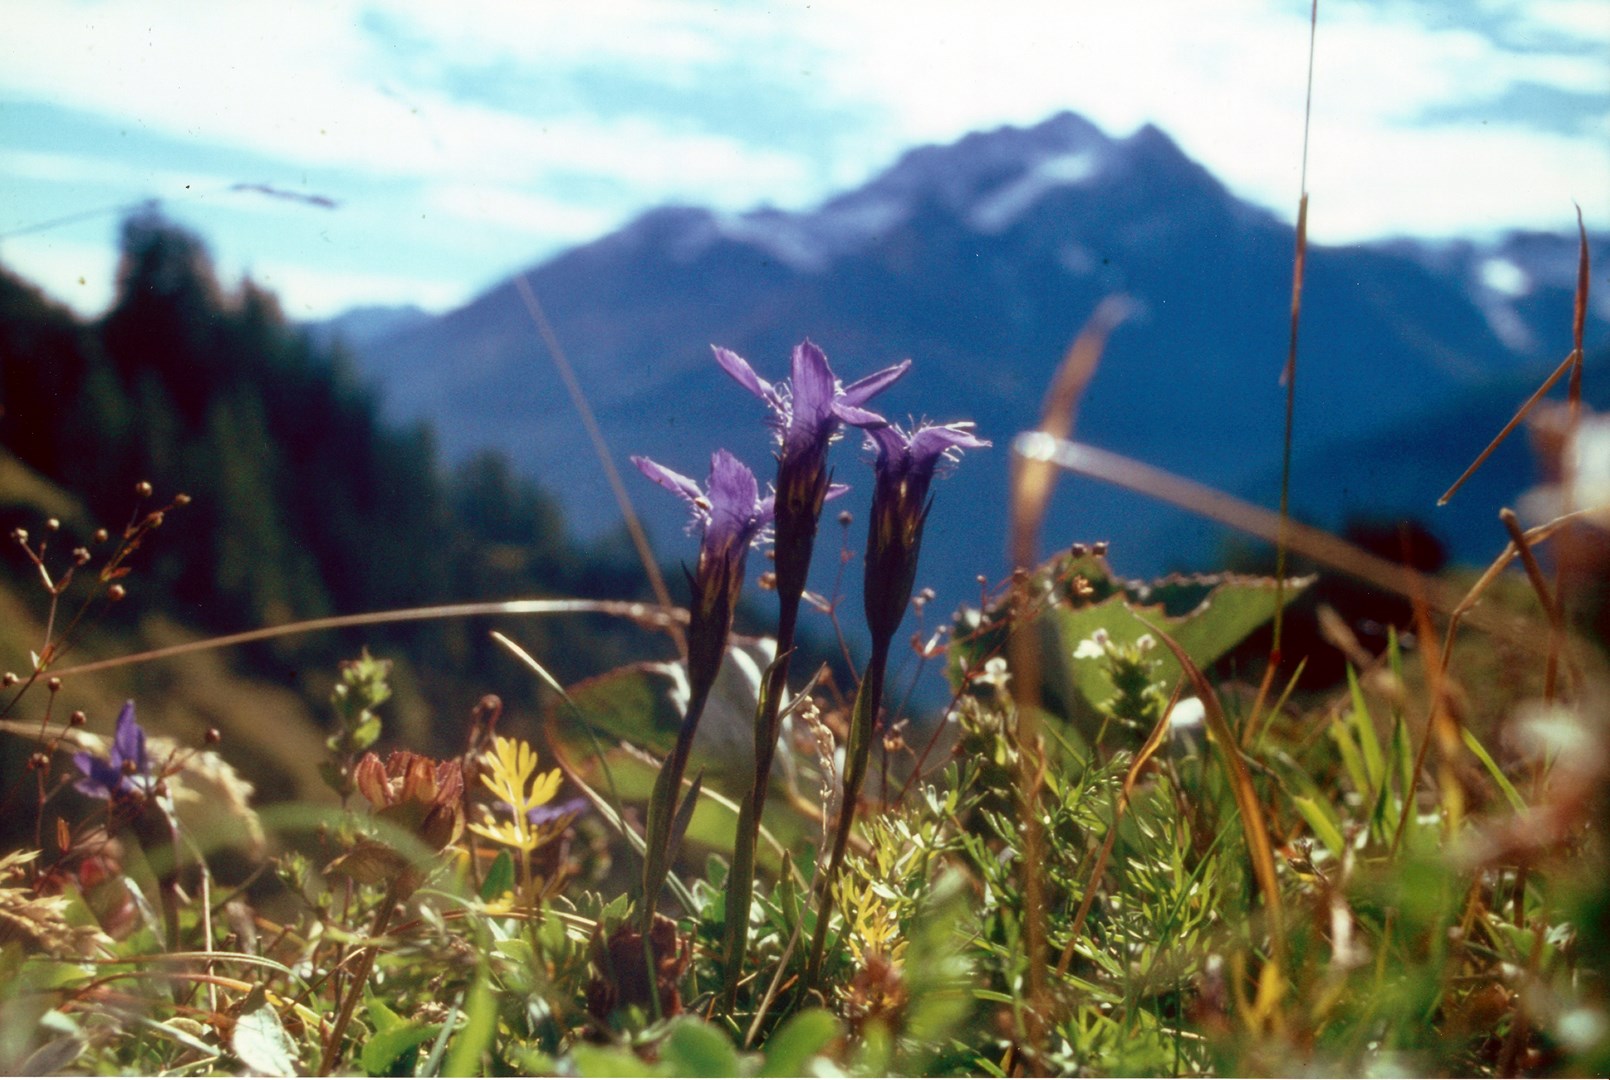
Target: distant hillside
980, 261
304, 501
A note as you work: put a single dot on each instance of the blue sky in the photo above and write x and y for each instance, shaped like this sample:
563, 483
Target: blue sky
461, 141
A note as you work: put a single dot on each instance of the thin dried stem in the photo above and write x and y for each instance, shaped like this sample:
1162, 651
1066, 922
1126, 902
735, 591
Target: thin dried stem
645, 552
644, 614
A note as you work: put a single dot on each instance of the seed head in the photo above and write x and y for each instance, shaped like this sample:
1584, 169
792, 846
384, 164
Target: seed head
80, 556
143, 489
100, 536
20, 535
116, 592
52, 524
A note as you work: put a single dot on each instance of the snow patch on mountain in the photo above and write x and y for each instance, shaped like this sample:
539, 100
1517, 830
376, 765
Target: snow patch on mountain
998, 210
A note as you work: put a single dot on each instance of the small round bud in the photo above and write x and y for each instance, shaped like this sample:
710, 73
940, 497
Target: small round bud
52, 524
1099, 547
982, 580
20, 535
926, 594
130, 768
53, 684
214, 736
78, 719
771, 554
116, 592
143, 489
80, 555
768, 581
8, 679
845, 518
100, 536
156, 520
38, 762
181, 499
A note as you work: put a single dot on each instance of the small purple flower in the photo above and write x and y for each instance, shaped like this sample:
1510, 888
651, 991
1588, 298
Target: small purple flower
807, 410
733, 517
810, 407
904, 470
128, 772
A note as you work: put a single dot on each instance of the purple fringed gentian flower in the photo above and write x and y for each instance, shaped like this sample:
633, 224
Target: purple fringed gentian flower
807, 412
128, 770
903, 472
904, 469
733, 517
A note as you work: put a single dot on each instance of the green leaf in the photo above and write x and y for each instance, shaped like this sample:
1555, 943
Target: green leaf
695, 1048
259, 1039
383, 1049
499, 877
1516, 803
803, 1037
1364, 725
475, 1039
608, 1061
1320, 821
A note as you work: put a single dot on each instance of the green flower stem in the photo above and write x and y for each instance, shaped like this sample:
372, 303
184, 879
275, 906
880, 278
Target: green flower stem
857, 755
741, 878
662, 807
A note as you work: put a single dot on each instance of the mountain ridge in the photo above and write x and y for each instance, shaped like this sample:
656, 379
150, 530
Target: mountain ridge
980, 261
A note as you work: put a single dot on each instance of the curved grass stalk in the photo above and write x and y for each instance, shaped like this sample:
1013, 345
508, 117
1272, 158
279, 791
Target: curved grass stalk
651, 615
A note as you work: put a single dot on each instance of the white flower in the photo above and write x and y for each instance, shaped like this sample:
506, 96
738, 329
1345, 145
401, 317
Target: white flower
1093, 647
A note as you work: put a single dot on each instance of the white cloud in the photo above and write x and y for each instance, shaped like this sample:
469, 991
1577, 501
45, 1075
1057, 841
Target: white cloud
370, 95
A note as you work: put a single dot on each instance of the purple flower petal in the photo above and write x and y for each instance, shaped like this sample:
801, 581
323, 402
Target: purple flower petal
861, 389
739, 369
674, 482
128, 744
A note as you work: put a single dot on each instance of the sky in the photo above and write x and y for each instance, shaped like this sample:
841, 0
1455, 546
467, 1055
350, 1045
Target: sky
415, 151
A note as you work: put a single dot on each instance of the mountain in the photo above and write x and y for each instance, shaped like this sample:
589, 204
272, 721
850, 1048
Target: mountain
980, 261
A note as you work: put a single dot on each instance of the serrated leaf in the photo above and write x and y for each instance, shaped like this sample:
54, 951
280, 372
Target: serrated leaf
259, 1039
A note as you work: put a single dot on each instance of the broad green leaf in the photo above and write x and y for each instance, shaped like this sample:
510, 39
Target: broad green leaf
695, 1048
1206, 615
384, 1048
499, 877
803, 1037
259, 1039
608, 1061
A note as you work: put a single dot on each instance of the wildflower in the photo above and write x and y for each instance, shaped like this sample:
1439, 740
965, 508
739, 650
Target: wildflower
415, 793
904, 469
808, 411
412, 793
733, 517
127, 772
903, 472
